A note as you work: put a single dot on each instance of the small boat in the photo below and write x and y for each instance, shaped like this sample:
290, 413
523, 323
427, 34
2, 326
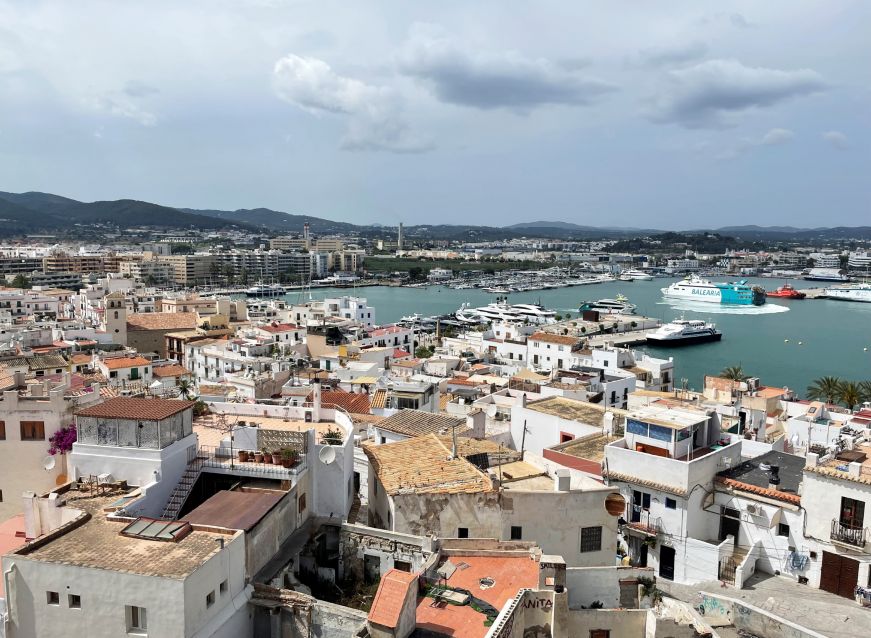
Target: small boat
786, 291
498, 291
635, 275
618, 306
682, 332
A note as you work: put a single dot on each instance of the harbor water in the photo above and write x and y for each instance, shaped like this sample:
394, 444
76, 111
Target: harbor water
783, 342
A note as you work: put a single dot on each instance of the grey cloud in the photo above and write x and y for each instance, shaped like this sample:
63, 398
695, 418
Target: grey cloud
137, 89
714, 93
836, 139
670, 56
493, 80
774, 137
374, 116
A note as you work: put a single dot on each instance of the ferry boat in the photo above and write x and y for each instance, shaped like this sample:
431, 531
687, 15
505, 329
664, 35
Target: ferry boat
826, 274
618, 306
635, 275
786, 291
695, 288
856, 292
265, 290
682, 332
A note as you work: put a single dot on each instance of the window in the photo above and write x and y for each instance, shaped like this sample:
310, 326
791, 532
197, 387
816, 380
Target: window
782, 529
600, 633
2, 430
136, 619
223, 587
591, 539
852, 513
74, 601
401, 565
32, 431
670, 503
462, 532
301, 503
210, 599
516, 532
52, 598
113, 374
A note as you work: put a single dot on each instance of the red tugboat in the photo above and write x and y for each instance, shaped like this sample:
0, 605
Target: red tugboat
786, 291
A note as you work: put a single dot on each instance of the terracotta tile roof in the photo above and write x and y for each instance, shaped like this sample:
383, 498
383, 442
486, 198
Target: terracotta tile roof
348, 401
761, 491
390, 597
418, 423
835, 473
399, 353
114, 363
145, 409
275, 328
161, 321
171, 370
407, 363
424, 465
635, 480
379, 398
79, 359
549, 337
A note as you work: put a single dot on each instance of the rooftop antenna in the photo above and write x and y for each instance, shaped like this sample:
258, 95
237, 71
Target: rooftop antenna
454, 441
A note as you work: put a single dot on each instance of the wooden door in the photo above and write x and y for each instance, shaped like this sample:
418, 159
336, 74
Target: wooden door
839, 575
849, 577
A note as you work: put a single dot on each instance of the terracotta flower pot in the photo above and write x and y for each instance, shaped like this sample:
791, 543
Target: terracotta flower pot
267, 457
276, 458
243, 456
258, 457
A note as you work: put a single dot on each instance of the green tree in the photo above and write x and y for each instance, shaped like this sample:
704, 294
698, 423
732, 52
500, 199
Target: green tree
20, 281
415, 273
734, 373
423, 352
826, 389
850, 394
185, 389
865, 388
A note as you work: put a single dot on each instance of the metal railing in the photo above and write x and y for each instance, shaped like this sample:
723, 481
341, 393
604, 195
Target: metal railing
220, 458
848, 534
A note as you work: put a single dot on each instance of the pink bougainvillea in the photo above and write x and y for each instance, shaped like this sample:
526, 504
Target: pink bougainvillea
62, 441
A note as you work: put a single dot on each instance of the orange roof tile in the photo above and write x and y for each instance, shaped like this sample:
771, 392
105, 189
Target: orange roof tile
761, 491
392, 592
161, 321
274, 328
115, 363
171, 370
348, 401
79, 359
548, 337
129, 408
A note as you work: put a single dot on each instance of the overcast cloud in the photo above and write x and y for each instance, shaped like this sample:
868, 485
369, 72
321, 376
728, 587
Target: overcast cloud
445, 112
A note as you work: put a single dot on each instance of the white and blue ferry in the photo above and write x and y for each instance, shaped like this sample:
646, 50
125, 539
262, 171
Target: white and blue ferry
694, 288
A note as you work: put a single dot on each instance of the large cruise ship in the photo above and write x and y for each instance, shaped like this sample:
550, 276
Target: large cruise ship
695, 288
856, 292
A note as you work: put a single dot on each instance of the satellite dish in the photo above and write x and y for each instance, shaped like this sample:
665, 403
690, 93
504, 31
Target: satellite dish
327, 455
491, 410
48, 463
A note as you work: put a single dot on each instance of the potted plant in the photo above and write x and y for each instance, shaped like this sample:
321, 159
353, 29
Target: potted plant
289, 457
258, 456
332, 437
276, 457
267, 457
243, 456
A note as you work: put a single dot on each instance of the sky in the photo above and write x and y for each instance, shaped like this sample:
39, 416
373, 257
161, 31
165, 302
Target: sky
669, 115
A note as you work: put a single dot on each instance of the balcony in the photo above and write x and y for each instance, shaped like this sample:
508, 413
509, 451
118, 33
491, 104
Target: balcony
847, 534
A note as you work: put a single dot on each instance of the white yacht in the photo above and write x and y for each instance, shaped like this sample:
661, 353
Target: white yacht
618, 306
261, 289
635, 275
501, 310
535, 313
682, 332
856, 292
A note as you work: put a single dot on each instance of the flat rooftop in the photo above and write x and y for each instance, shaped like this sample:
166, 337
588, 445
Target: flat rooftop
590, 448
754, 475
668, 416
210, 430
236, 509
839, 466
572, 410
98, 543
509, 574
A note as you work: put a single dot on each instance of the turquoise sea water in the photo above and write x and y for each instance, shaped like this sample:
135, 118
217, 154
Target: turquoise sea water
824, 337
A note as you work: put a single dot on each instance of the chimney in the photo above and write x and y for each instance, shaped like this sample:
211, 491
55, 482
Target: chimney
563, 481
316, 403
774, 478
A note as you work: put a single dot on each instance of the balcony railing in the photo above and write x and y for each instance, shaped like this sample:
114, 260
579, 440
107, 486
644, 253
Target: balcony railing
848, 534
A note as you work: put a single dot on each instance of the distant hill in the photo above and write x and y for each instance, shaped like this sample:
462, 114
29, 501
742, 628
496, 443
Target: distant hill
276, 220
791, 233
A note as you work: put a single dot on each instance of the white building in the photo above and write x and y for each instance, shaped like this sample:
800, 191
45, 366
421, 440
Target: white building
547, 351
30, 414
543, 423
353, 308
440, 274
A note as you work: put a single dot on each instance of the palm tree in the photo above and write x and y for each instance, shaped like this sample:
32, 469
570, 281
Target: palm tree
185, 389
851, 394
865, 388
734, 373
826, 389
